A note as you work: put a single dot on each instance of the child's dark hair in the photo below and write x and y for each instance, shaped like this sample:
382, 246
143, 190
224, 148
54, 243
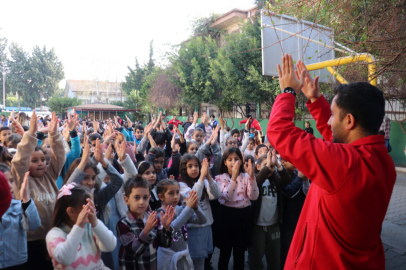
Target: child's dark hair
234, 131
74, 200
189, 143
13, 138
5, 156
259, 161
159, 138
39, 148
159, 152
259, 147
143, 166
249, 157
4, 128
4, 167
184, 177
250, 139
75, 164
139, 127
229, 151
228, 129
135, 182
170, 126
95, 136
163, 185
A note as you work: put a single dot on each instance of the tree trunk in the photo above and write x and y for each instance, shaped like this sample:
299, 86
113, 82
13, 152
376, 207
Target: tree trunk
18, 99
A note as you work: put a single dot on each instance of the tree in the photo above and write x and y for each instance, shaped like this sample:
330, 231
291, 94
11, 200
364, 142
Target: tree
3, 60
46, 71
59, 104
224, 71
18, 80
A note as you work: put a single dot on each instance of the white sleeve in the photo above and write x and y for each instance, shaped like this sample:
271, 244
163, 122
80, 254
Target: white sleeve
105, 239
64, 252
128, 167
306, 186
245, 141
222, 141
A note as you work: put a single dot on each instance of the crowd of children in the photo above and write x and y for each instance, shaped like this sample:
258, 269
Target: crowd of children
115, 194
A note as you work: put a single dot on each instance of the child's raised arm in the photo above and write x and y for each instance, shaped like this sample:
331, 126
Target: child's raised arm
22, 158
58, 155
31, 220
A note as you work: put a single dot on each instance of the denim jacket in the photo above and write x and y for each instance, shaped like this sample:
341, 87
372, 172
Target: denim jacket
13, 237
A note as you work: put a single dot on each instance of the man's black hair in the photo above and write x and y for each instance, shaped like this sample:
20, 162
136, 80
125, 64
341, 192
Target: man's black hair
248, 116
363, 101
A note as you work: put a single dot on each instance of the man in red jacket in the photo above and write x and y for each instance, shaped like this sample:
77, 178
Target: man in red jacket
351, 171
254, 123
175, 122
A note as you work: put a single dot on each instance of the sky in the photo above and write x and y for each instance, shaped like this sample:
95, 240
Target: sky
99, 39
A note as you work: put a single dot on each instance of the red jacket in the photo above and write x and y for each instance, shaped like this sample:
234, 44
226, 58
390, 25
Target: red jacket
255, 124
349, 195
175, 123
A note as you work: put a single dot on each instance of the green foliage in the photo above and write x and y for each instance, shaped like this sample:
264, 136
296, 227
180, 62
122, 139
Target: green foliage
227, 76
46, 71
59, 104
201, 26
138, 82
117, 103
18, 79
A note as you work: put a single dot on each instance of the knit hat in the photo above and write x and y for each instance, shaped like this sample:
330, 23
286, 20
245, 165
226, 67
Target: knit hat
5, 194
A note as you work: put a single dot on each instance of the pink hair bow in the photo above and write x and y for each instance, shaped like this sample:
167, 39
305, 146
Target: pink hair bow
65, 190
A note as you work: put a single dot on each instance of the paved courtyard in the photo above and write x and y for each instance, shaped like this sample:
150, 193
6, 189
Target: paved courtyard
393, 229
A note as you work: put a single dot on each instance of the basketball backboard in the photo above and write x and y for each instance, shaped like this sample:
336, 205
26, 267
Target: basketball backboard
306, 41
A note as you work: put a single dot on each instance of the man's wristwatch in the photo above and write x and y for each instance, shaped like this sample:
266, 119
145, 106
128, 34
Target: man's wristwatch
289, 90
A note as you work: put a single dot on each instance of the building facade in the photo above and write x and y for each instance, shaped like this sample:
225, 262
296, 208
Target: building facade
94, 91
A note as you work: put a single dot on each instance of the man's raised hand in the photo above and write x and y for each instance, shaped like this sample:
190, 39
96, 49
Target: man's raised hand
311, 87
287, 76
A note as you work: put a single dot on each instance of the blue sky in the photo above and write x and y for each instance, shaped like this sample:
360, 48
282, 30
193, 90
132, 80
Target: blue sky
99, 39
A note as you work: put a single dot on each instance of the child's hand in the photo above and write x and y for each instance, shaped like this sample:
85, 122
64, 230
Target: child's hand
135, 148
215, 136
151, 222
109, 152
204, 170
98, 154
71, 122
173, 143
53, 126
148, 128
130, 123
192, 200
151, 141
172, 177
250, 170
166, 219
235, 170
195, 118
24, 194
33, 124
301, 175
11, 117
208, 142
274, 159
82, 218
85, 155
91, 213
269, 160
121, 153
221, 122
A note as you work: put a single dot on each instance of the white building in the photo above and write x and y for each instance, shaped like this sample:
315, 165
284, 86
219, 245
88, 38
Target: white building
94, 91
